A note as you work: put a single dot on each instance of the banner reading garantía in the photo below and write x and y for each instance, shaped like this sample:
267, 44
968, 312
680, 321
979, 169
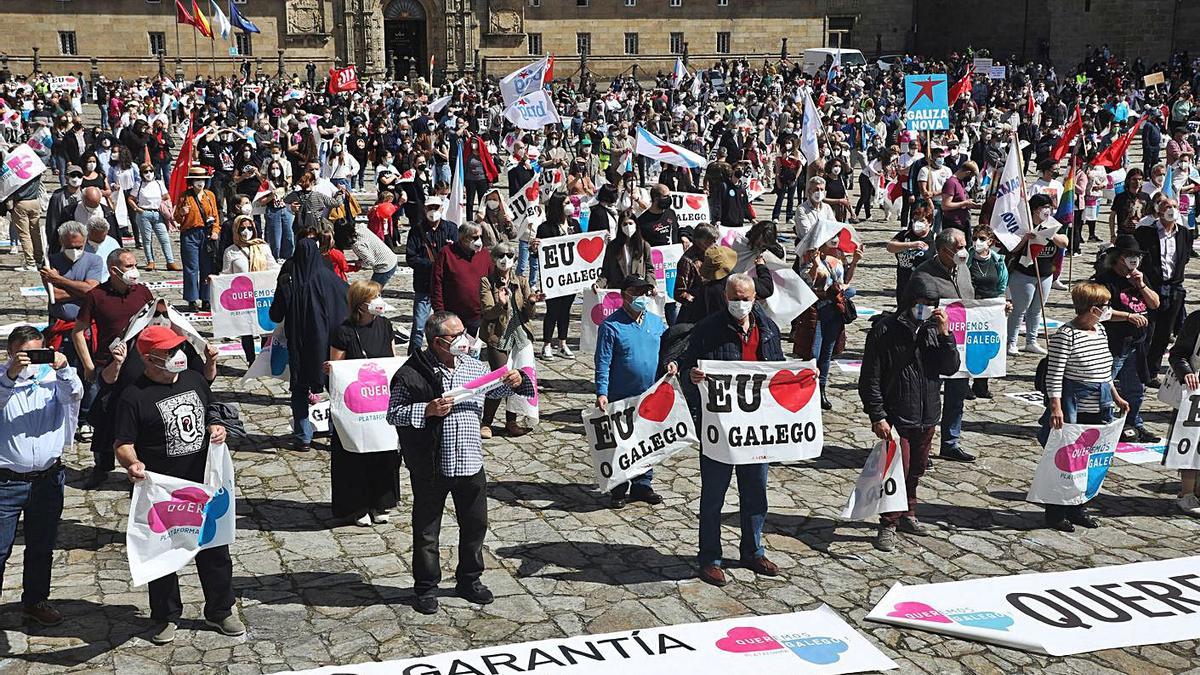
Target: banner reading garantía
632, 435
598, 304
242, 303
978, 327
1076, 460
172, 519
358, 400
570, 263
753, 412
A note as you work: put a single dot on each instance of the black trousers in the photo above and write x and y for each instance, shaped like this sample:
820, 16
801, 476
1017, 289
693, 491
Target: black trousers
475, 189
429, 490
558, 316
1163, 322
216, 578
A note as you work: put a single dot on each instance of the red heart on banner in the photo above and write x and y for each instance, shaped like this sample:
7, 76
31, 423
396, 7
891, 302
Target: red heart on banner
888, 457
694, 201
846, 242
590, 249
532, 192
656, 406
791, 390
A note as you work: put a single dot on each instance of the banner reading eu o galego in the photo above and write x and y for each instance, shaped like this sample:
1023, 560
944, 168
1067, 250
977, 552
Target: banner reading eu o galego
753, 412
570, 263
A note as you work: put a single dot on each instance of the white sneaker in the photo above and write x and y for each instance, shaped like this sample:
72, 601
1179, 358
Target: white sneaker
1013, 350
364, 520
380, 518
547, 352
565, 351
1059, 286
1035, 348
1189, 504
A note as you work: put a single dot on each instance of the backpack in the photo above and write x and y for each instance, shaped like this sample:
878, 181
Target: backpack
1039, 375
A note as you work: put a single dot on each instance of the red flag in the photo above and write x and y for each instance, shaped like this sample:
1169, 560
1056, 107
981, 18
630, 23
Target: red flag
1069, 133
1112, 156
343, 79
1030, 106
548, 76
182, 16
962, 86
183, 163
201, 24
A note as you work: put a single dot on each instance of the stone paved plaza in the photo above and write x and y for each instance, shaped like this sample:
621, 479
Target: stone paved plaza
317, 592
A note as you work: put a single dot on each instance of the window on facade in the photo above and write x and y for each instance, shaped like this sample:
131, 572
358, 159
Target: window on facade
676, 43
837, 33
535, 44
676, 3
581, 3
723, 43
631, 43
535, 3
158, 43
722, 3
153, 2
244, 47
583, 43
631, 3
66, 42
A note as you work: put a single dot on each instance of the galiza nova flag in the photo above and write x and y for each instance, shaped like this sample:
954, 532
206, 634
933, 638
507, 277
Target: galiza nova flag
678, 75
532, 111
654, 147
525, 81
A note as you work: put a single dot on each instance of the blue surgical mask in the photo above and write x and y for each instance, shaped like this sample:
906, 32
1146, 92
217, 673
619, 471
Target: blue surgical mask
641, 303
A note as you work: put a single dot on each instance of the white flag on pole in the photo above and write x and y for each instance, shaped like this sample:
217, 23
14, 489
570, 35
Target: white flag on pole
1010, 216
525, 81
811, 129
533, 111
456, 201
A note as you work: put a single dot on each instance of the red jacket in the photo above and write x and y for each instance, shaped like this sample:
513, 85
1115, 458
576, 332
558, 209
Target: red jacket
456, 282
477, 146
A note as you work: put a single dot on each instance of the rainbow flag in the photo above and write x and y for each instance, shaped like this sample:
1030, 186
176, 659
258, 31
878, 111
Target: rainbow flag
1066, 203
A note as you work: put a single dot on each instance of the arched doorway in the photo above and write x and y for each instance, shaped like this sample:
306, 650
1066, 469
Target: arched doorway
404, 37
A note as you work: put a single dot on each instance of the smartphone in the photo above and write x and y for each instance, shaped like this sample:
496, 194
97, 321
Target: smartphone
40, 355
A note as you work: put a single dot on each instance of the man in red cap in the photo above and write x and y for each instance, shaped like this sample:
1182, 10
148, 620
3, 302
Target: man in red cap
162, 426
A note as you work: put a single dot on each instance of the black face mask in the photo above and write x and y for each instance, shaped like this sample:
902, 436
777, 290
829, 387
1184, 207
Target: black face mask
663, 202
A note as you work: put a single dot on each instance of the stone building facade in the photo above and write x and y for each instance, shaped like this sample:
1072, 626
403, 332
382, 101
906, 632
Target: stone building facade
456, 37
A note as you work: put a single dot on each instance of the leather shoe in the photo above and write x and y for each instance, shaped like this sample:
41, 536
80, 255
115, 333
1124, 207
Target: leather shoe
426, 604
44, 613
617, 502
476, 593
95, 479
825, 403
1062, 525
956, 454
711, 574
763, 566
928, 463
513, 430
980, 389
1084, 520
649, 496
1144, 435
1155, 382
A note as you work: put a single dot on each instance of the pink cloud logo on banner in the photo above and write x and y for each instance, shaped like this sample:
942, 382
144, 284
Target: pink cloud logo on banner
1073, 457
918, 611
530, 375
744, 640
956, 316
369, 392
607, 305
185, 508
239, 295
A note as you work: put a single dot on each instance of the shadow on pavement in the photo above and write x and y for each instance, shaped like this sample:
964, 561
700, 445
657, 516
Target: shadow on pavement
101, 628
569, 497
609, 564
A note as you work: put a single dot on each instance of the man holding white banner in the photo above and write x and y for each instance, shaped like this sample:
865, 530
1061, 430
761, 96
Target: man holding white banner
163, 426
742, 333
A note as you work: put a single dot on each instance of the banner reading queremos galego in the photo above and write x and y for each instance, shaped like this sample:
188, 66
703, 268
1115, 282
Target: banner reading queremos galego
816, 641
1058, 613
754, 412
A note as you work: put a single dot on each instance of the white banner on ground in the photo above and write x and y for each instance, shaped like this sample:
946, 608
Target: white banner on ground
753, 412
815, 641
571, 263
1141, 453
1033, 398
1057, 613
978, 327
880, 487
632, 435
358, 400
272, 360
666, 266
1076, 460
691, 209
527, 406
172, 519
598, 304
242, 303
1185, 435
21, 165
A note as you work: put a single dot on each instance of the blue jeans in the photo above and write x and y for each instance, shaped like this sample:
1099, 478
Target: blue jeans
162, 171
382, 278
150, 222
279, 234
1125, 371
640, 485
41, 501
525, 260
342, 182
1072, 394
1023, 291
825, 337
752, 500
952, 411
302, 428
197, 265
422, 308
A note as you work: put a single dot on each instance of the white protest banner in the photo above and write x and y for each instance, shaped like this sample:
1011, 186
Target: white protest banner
753, 412
242, 303
755, 189
479, 386
597, 306
178, 322
527, 406
358, 400
272, 361
1185, 435
1141, 453
997, 72
21, 165
318, 415
981, 64
1057, 613
570, 263
172, 519
690, 209
632, 435
792, 294
880, 487
978, 327
526, 208
1076, 460
532, 111
814, 641
666, 265
1033, 398
65, 82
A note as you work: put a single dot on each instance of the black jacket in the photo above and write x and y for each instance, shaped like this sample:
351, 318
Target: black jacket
902, 364
421, 447
710, 295
730, 205
716, 338
1147, 239
423, 246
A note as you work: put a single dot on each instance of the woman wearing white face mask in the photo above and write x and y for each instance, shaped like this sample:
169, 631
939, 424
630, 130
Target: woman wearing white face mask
1027, 275
787, 175
493, 220
364, 485
507, 305
627, 253
813, 209
247, 253
989, 278
144, 203
558, 310
914, 244
1167, 244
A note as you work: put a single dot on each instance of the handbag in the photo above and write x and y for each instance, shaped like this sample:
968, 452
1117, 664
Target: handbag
165, 208
846, 307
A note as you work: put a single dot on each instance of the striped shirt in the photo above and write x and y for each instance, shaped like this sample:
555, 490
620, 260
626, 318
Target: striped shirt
1079, 355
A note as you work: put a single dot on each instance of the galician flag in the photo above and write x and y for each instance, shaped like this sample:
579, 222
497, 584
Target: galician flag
654, 147
679, 74
696, 84
525, 81
456, 201
1010, 216
223, 26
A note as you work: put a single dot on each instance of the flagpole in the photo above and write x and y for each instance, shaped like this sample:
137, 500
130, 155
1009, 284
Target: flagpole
212, 53
1036, 271
178, 46
1074, 215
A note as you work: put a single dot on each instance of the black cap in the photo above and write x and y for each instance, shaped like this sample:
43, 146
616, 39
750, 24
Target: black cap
635, 281
1126, 243
1040, 200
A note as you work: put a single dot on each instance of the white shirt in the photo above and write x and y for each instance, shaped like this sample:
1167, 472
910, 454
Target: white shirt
37, 418
102, 249
1166, 244
149, 195
936, 178
1052, 188
808, 215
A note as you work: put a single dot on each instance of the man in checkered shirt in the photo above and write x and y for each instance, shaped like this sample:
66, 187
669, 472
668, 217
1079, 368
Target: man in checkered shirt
440, 442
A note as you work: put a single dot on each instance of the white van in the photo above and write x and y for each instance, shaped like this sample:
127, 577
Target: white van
815, 58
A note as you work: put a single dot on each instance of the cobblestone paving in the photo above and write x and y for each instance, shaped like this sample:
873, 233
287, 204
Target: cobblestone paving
316, 592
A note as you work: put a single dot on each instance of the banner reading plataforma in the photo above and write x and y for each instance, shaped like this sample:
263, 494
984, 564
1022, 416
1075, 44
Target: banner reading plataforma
815, 641
753, 411
570, 263
632, 435
1058, 613
358, 401
242, 303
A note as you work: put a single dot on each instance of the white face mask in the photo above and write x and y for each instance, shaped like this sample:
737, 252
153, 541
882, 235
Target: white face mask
377, 306
629, 229
739, 309
461, 346
245, 209
177, 363
981, 246
90, 166
1133, 261
476, 244
433, 216
836, 170
1044, 213
817, 197
74, 181
922, 312
1106, 314
920, 227
960, 255
1171, 215
131, 275
505, 263
73, 254
492, 205
198, 185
